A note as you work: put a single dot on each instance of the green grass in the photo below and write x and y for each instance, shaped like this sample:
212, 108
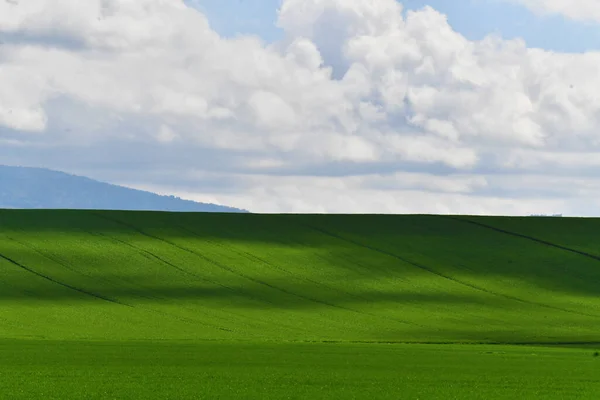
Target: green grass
139, 295
137, 370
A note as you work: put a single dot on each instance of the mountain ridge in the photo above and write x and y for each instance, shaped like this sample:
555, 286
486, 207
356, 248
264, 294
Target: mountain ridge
41, 188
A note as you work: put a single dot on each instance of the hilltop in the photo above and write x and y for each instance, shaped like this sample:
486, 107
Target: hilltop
116, 275
38, 188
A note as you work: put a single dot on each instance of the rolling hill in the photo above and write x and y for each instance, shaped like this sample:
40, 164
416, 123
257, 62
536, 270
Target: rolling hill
118, 275
37, 188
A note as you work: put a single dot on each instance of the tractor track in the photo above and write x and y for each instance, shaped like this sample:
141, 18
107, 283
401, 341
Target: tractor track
251, 256
94, 294
226, 268
520, 235
445, 276
223, 267
63, 284
199, 255
152, 256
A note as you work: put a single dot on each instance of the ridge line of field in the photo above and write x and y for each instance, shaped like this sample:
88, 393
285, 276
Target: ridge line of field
448, 277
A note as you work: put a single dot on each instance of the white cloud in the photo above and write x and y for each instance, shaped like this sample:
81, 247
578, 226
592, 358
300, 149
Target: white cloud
396, 193
353, 85
271, 111
582, 10
166, 134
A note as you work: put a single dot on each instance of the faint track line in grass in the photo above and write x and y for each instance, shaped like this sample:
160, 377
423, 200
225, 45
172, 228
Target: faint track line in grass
215, 263
251, 256
448, 277
520, 235
212, 262
66, 285
226, 268
74, 270
261, 260
18, 288
203, 257
59, 262
307, 298
96, 295
151, 255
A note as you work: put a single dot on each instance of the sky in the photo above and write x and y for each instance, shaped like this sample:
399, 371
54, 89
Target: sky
312, 106
474, 19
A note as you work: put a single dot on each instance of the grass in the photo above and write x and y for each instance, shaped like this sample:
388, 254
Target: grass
175, 370
116, 300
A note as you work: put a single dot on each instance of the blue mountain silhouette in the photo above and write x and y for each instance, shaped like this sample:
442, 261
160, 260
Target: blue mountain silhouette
24, 187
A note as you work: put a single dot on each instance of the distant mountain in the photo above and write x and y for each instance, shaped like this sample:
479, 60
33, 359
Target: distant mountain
22, 187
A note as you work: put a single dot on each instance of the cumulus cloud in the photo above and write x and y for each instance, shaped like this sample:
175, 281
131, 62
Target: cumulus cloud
355, 86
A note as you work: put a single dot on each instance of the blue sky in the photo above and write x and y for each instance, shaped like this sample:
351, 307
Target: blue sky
472, 18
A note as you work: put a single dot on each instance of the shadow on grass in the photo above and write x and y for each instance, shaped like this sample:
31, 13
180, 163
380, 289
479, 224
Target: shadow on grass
377, 246
285, 297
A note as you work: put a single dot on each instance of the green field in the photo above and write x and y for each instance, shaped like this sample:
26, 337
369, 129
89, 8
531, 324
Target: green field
130, 304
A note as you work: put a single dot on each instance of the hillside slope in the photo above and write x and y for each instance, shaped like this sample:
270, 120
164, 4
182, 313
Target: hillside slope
144, 275
40, 188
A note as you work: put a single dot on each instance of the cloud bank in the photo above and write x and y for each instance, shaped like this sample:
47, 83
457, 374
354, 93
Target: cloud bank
359, 108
